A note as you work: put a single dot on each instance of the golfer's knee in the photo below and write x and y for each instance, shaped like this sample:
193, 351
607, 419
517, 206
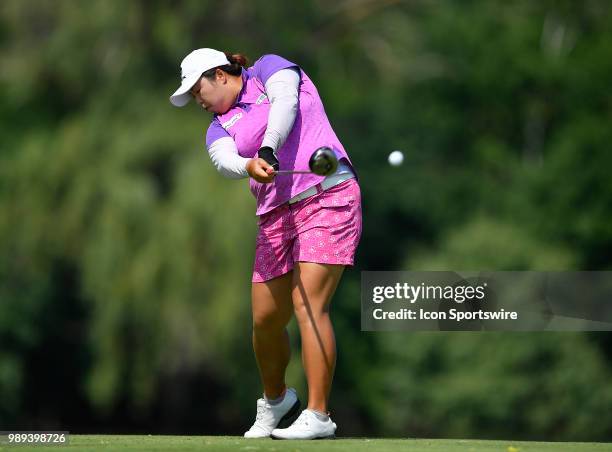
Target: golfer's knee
269, 323
305, 312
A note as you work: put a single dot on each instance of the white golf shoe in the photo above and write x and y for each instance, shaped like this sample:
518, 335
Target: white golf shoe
271, 416
307, 426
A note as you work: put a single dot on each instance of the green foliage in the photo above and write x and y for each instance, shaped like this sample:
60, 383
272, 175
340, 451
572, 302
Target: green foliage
148, 226
485, 243
492, 383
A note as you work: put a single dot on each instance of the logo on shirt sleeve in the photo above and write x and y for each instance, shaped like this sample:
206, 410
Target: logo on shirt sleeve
229, 123
260, 99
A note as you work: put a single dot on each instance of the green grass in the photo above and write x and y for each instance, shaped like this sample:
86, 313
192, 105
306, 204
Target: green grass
87, 443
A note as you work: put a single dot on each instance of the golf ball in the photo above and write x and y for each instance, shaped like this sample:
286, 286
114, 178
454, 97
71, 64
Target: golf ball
396, 158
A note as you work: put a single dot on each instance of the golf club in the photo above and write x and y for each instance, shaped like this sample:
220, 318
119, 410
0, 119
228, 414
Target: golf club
322, 162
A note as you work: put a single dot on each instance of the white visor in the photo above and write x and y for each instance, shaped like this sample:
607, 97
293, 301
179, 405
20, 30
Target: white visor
181, 96
192, 68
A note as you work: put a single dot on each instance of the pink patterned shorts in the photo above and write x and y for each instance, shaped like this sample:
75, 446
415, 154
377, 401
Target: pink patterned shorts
323, 228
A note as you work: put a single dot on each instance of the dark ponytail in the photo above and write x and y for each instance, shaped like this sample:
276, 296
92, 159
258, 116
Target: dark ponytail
237, 62
237, 58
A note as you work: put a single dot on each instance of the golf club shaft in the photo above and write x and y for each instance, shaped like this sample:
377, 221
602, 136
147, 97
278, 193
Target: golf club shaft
292, 172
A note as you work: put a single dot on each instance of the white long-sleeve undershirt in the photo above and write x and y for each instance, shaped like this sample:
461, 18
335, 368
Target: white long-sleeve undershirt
224, 155
282, 90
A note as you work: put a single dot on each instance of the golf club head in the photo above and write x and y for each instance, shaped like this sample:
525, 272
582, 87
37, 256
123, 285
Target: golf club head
323, 162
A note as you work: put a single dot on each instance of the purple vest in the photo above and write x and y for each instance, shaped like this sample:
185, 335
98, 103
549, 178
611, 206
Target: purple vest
246, 123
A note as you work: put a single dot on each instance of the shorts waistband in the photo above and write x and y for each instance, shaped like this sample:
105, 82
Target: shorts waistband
326, 183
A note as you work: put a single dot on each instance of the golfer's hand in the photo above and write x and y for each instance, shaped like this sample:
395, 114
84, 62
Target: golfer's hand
260, 170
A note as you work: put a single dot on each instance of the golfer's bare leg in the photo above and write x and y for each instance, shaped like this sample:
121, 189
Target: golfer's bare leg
313, 287
272, 310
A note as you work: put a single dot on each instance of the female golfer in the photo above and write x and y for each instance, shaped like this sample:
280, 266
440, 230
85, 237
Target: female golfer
269, 117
